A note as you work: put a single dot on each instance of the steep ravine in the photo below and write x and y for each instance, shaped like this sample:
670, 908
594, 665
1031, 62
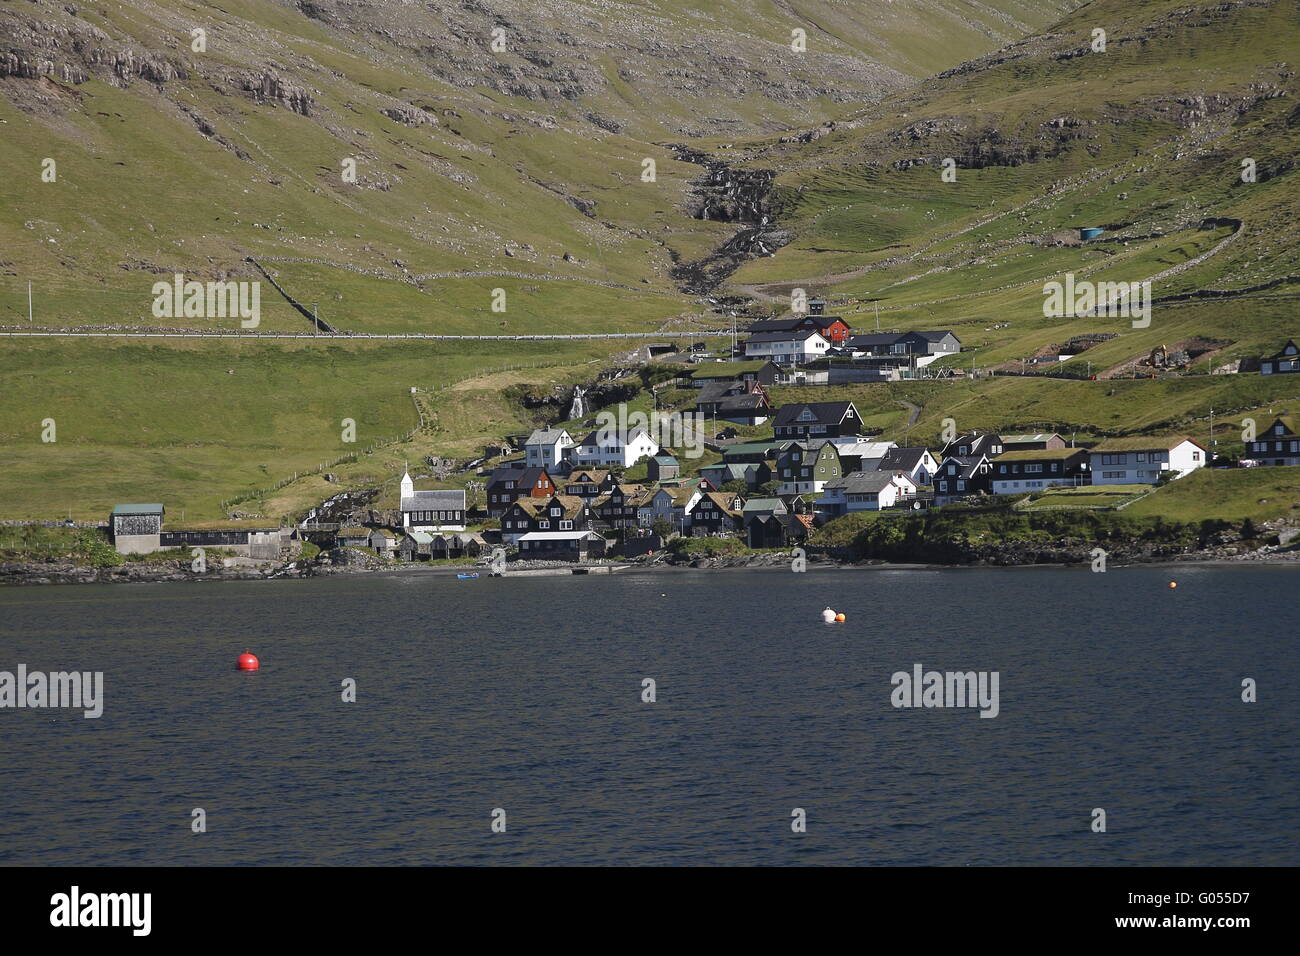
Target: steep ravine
724, 194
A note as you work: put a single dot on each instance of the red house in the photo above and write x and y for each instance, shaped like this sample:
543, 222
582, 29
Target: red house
507, 485
832, 328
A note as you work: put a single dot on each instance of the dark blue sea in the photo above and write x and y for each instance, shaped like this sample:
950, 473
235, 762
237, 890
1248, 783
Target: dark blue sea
525, 694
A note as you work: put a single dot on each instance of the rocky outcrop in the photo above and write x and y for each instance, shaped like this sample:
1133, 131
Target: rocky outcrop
270, 87
71, 50
61, 572
408, 115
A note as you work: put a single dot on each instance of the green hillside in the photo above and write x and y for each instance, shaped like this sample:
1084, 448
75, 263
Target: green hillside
521, 171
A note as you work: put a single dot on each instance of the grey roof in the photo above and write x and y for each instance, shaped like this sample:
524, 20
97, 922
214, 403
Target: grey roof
865, 448
154, 509
932, 336
788, 336
624, 436
903, 458
969, 466
755, 447
447, 500
1036, 437
863, 482
733, 470
825, 413
715, 391
760, 505
547, 436
868, 339
793, 322
976, 441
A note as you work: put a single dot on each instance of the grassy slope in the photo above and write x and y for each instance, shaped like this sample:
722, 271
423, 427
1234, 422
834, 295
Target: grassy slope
141, 193
1138, 161
188, 423
967, 262
1160, 173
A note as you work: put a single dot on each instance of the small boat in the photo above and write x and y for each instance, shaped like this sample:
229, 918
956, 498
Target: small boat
471, 574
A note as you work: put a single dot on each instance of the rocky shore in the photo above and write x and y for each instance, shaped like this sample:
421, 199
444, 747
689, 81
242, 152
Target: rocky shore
350, 561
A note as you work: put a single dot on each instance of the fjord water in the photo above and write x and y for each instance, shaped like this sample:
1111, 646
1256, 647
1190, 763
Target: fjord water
525, 694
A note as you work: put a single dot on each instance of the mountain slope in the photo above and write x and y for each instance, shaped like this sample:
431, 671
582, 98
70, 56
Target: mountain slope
1146, 139
523, 163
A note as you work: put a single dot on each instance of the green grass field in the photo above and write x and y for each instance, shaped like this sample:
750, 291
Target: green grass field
195, 422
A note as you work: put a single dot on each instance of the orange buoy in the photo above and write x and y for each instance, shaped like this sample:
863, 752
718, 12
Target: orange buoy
840, 618
1173, 584
248, 662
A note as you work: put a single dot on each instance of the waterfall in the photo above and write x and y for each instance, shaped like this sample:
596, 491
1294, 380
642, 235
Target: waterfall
578, 408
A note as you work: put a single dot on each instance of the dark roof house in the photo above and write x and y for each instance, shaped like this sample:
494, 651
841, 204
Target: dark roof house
816, 419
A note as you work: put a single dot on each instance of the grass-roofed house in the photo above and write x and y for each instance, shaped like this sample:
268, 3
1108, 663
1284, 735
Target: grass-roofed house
1028, 469
137, 529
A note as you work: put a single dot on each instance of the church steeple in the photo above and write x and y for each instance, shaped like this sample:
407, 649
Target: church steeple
408, 486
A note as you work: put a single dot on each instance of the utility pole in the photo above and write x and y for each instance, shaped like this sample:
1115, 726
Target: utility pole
1210, 451
29, 303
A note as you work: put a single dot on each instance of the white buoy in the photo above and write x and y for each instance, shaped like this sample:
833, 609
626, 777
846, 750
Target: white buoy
828, 616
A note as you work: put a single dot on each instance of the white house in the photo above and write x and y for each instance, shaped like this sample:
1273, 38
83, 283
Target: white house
547, 447
866, 491
794, 347
431, 510
1141, 460
610, 446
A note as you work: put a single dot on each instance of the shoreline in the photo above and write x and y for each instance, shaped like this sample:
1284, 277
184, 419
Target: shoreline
35, 574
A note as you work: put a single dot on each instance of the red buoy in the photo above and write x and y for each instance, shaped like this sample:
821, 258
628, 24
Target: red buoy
249, 662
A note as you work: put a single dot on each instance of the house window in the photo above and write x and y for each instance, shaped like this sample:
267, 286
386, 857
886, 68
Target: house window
961, 485
566, 525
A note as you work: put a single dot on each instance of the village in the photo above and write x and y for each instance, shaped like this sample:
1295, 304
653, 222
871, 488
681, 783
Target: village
614, 493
